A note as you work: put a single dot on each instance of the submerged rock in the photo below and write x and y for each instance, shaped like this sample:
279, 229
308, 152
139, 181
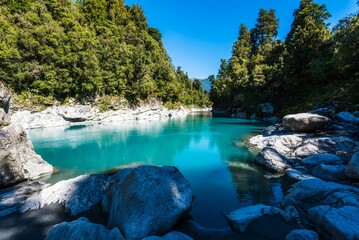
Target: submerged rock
82, 229
304, 122
302, 234
77, 194
352, 170
18, 161
148, 200
272, 160
241, 218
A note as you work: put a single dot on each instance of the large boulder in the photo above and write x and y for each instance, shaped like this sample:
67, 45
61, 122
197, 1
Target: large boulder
304, 122
77, 194
5, 96
82, 229
302, 234
336, 223
147, 201
18, 161
241, 218
327, 159
352, 170
272, 160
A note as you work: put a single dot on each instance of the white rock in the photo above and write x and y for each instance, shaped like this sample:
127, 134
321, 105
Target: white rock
77, 194
304, 122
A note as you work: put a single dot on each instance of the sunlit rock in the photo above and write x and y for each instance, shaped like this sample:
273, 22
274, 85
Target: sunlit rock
304, 122
77, 194
272, 160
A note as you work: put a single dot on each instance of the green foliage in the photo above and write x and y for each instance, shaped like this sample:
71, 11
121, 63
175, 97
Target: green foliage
314, 64
57, 49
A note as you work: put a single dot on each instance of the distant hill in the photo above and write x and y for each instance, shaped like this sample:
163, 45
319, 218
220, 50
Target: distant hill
205, 84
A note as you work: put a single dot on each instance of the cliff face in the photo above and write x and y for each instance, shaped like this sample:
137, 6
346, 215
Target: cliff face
18, 161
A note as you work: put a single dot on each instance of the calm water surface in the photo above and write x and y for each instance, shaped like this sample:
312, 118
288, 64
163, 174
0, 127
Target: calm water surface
208, 151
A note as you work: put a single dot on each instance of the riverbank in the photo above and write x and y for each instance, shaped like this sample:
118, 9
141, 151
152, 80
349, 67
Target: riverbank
75, 114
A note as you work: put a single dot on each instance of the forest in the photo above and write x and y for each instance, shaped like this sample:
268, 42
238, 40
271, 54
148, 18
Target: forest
57, 50
315, 63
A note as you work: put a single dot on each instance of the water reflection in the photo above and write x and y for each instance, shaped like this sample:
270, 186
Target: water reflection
221, 174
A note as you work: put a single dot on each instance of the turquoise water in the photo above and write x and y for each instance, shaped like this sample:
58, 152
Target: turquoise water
208, 151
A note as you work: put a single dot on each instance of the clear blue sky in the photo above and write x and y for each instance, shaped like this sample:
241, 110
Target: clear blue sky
198, 33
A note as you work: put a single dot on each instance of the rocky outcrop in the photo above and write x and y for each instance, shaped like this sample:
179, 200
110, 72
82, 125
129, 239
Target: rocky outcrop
5, 96
352, 170
272, 160
57, 116
147, 201
82, 229
18, 161
304, 122
302, 234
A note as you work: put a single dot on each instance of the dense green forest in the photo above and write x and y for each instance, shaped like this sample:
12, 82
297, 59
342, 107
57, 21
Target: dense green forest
54, 50
315, 63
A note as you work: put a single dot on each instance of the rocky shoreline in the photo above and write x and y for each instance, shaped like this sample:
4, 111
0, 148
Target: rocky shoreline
318, 151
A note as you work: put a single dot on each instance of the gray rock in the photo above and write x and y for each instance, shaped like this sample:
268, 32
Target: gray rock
352, 170
77, 194
18, 161
326, 112
335, 145
347, 117
330, 172
302, 234
313, 192
5, 96
82, 229
328, 159
272, 160
297, 175
336, 223
241, 218
4, 118
148, 201
170, 236
304, 122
